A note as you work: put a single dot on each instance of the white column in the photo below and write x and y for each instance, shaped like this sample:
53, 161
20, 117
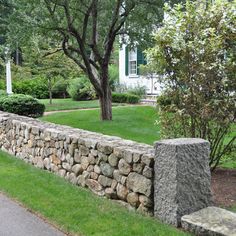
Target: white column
8, 77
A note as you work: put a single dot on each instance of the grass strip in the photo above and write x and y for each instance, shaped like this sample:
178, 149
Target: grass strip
68, 104
72, 208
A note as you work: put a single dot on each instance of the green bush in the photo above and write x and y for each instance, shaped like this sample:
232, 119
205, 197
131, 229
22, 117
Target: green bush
3, 92
137, 90
21, 104
113, 76
35, 87
81, 89
59, 89
131, 98
163, 100
125, 98
195, 51
2, 84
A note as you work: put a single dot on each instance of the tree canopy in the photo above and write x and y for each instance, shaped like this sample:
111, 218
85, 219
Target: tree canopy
86, 31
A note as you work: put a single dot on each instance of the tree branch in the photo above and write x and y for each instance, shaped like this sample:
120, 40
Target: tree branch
85, 21
115, 26
51, 53
93, 45
68, 54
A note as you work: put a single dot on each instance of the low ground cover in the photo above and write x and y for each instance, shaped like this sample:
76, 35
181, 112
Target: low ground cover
74, 209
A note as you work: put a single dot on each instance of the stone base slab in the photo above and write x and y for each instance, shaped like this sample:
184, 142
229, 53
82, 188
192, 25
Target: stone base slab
212, 221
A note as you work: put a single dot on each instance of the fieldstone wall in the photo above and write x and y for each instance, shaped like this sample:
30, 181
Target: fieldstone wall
109, 166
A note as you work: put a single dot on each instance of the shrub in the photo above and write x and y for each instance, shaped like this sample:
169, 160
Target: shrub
137, 90
119, 97
21, 104
81, 89
2, 84
3, 92
125, 98
195, 50
37, 87
59, 89
131, 98
113, 76
163, 100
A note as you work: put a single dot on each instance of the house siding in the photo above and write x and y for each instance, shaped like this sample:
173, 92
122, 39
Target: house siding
152, 85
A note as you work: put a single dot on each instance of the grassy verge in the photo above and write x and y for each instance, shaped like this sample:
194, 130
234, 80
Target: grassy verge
69, 104
74, 209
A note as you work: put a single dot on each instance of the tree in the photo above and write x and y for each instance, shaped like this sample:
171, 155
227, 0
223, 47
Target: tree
6, 9
87, 31
195, 54
48, 60
45, 60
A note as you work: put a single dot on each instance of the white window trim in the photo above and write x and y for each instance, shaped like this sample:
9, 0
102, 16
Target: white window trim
133, 74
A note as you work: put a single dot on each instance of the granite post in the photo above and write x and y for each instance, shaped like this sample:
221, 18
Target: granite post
182, 178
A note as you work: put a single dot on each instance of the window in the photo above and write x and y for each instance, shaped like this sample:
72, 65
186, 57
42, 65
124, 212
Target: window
133, 62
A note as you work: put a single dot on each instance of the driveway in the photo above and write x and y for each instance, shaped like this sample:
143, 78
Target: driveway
15, 220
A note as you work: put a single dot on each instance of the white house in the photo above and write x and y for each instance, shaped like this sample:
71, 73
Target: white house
129, 71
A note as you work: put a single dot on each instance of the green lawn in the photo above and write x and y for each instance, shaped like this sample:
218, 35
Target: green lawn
134, 123
69, 104
74, 209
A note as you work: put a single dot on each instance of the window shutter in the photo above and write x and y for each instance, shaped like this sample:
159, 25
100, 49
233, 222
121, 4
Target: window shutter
126, 61
141, 60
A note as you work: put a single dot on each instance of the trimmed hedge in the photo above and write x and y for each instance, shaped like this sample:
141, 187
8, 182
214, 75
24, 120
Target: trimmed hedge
37, 87
125, 98
21, 104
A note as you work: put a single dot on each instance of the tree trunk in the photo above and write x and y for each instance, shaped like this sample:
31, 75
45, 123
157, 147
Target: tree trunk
105, 96
50, 97
50, 90
106, 105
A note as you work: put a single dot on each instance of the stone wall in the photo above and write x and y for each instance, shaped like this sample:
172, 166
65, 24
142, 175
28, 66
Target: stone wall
109, 166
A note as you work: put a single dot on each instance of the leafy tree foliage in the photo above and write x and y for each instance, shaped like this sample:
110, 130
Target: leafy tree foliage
195, 54
80, 89
5, 9
87, 31
43, 61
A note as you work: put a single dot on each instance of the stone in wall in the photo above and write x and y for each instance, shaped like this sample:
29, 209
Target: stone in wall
139, 184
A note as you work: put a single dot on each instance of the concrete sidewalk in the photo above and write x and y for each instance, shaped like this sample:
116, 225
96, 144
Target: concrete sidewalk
17, 221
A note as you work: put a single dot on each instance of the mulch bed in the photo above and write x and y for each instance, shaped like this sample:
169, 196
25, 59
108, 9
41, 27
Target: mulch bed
224, 187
